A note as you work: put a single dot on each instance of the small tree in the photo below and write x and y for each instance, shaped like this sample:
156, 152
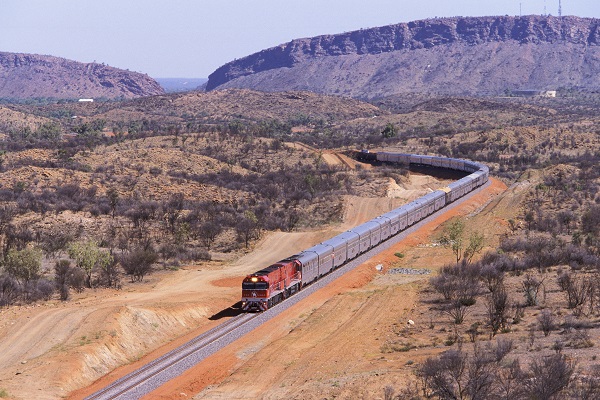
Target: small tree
529, 218
9, 290
453, 238
24, 265
549, 376
510, 381
172, 209
578, 291
546, 321
62, 271
445, 376
475, 246
55, 240
138, 263
445, 284
492, 276
247, 227
208, 232
497, 307
389, 131
531, 288
113, 200
110, 275
457, 310
89, 257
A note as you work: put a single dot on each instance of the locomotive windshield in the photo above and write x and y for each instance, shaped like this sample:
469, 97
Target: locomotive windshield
255, 285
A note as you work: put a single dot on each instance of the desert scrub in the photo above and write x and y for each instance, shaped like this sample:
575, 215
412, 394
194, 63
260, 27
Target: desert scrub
392, 347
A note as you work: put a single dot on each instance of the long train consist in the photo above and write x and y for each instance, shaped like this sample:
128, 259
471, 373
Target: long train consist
267, 287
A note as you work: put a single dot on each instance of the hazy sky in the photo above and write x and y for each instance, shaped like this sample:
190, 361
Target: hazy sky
191, 38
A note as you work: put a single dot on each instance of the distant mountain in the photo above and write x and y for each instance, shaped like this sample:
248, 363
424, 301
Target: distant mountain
476, 55
30, 75
174, 85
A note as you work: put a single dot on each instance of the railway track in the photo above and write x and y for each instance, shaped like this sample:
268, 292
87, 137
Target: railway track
174, 363
127, 386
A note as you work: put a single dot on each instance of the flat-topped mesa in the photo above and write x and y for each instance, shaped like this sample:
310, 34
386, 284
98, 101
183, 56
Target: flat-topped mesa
376, 44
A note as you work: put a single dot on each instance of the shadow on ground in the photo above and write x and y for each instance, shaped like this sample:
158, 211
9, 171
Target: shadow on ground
231, 311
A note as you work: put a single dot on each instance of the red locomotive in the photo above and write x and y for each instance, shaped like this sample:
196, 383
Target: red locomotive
269, 286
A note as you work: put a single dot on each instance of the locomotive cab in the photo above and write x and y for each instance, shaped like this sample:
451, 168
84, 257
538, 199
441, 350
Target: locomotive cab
255, 292
267, 287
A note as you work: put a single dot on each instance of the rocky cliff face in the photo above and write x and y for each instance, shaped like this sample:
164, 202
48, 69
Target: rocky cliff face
448, 55
32, 75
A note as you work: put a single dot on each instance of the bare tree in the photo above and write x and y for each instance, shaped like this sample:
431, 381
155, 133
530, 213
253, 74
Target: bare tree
509, 382
492, 276
502, 348
445, 284
481, 374
546, 321
548, 376
247, 227
578, 292
56, 239
497, 309
110, 274
457, 310
456, 375
445, 376
172, 210
388, 393
586, 386
208, 232
531, 288
62, 270
564, 280
9, 290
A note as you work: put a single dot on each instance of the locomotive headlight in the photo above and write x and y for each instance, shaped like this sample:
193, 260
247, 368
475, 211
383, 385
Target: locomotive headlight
254, 279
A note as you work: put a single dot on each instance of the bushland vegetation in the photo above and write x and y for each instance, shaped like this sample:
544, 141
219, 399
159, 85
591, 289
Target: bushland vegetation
91, 222
512, 318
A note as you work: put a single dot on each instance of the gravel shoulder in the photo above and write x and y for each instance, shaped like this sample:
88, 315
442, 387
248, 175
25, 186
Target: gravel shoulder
52, 350
339, 342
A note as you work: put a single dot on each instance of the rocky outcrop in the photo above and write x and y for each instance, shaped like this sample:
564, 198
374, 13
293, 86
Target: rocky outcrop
31, 75
447, 55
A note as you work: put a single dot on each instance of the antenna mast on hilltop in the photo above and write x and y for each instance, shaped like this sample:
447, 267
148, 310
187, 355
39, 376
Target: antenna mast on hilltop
559, 9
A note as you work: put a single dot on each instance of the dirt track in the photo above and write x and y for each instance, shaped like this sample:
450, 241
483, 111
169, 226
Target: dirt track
51, 349
333, 344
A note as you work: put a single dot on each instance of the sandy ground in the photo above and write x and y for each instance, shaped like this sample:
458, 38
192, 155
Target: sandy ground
330, 343
334, 344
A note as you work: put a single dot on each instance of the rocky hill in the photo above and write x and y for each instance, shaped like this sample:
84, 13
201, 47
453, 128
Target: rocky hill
30, 75
478, 55
217, 107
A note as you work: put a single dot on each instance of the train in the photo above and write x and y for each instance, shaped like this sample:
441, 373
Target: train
273, 284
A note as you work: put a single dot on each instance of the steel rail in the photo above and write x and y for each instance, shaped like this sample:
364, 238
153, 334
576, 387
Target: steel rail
124, 387
158, 365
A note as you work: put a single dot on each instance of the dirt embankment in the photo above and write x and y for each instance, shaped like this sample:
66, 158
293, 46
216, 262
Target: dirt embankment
51, 349
341, 342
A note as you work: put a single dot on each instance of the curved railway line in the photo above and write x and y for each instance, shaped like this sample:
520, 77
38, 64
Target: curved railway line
174, 363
